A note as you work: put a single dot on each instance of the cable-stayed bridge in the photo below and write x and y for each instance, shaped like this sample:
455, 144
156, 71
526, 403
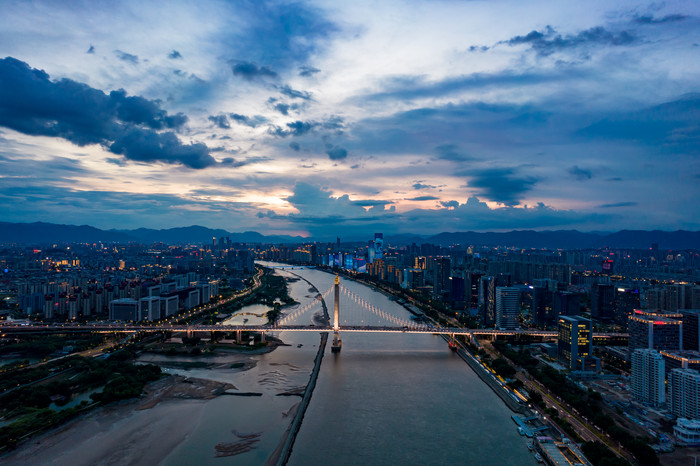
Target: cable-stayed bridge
358, 316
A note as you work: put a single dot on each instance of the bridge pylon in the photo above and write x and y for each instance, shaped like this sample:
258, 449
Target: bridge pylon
337, 342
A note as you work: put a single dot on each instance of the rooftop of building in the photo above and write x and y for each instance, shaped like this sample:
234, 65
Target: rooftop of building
655, 319
688, 355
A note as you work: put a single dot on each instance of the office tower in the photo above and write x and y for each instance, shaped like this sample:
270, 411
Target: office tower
575, 341
507, 308
441, 275
691, 329
150, 308
542, 306
626, 301
649, 330
602, 301
648, 377
566, 303
473, 291
487, 301
685, 359
684, 393
457, 293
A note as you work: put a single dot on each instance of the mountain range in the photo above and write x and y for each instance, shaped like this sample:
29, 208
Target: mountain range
40, 233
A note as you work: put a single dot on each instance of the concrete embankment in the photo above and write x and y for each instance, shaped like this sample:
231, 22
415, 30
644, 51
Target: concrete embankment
487, 378
281, 457
296, 423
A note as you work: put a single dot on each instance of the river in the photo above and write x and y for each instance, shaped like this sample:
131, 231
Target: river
384, 399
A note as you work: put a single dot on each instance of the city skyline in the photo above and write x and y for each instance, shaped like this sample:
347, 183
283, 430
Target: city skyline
318, 119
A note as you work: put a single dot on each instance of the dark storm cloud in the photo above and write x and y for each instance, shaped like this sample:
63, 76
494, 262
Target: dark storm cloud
174, 55
148, 146
282, 108
295, 94
91, 49
371, 202
294, 146
295, 128
618, 204
307, 71
502, 185
336, 152
580, 174
127, 57
549, 41
282, 35
449, 204
451, 152
33, 104
252, 72
221, 121
672, 126
423, 198
648, 19
254, 121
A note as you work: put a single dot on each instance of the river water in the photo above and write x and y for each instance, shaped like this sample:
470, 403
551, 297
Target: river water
384, 399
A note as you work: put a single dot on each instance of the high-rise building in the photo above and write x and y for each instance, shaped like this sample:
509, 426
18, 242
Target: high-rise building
487, 301
648, 377
507, 307
566, 303
626, 301
648, 330
543, 306
691, 329
684, 393
681, 360
575, 341
602, 301
150, 308
457, 293
441, 275
473, 291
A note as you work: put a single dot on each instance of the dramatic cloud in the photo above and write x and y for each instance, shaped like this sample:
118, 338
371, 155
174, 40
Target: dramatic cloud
580, 174
336, 152
423, 198
549, 41
252, 72
307, 71
419, 185
174, 55
294, 94
294, 146
501, 184
296, 128
648, 19
449, 204
248, 121
127, 57
221, 121
32, 104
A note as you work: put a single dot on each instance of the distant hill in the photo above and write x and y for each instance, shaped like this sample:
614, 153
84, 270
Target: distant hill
572, 239
50, 233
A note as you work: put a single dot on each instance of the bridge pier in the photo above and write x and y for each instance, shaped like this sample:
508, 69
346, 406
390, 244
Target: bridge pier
262, 337
337, 342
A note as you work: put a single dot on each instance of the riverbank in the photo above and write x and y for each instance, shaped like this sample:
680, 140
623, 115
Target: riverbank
151, 427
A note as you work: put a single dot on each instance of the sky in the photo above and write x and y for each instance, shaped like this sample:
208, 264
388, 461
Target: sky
343, 119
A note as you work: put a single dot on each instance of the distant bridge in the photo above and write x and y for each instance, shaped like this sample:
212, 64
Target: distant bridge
285, 324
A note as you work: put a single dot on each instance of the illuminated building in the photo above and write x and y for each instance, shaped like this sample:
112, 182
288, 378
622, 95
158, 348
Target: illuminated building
648, 330
602, 301
648, 377
441, 278
487, 301
691, 329
681, 359
626, 301
575, 341
684, 393
542, 306
507, 307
